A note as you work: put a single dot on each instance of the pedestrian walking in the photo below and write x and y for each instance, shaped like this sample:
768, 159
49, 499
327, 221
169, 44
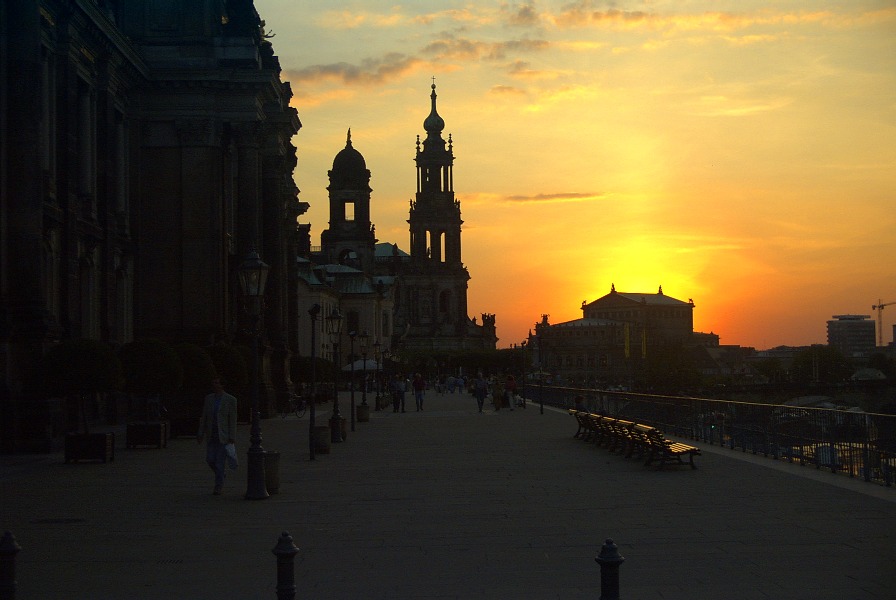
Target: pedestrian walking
419, 385
217, 427
480, 389
398, 391
510, 391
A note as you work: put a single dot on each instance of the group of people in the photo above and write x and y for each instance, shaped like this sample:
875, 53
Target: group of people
217, 425
398, 388
502, 396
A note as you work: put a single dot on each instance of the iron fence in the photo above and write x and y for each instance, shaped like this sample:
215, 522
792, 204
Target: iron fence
850, 442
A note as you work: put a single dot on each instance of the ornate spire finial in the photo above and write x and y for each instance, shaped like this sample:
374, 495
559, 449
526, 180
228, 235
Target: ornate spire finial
661, 291
348, 138
612, 288
434, 124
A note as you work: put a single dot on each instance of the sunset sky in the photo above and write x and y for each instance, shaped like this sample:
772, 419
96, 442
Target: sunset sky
742, 154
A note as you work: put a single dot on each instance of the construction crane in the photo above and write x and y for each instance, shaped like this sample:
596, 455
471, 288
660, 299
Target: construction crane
879, 307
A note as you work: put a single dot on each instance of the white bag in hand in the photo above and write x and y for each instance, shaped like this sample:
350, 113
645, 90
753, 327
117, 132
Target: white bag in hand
231, 456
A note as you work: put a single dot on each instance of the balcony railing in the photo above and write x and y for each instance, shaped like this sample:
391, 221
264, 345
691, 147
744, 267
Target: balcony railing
856, 444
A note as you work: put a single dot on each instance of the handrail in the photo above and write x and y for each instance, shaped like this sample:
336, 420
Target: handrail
856, 444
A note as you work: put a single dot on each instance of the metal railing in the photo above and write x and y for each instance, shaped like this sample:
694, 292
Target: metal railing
857, 444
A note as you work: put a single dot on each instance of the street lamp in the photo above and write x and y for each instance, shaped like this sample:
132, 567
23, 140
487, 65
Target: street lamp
351, 360
523, 344
313, 312
379, 372
365, 338
253, 274
334, 329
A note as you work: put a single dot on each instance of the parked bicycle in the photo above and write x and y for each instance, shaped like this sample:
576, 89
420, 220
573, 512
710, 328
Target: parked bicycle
295, 405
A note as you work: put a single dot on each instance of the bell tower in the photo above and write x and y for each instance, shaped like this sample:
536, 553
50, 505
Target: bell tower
350, 239
435, 220
433, 301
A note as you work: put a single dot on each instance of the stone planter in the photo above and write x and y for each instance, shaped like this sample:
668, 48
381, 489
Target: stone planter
89, 446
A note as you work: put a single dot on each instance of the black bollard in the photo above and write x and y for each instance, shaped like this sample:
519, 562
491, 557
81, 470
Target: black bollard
285, 551
609, 561
8, 550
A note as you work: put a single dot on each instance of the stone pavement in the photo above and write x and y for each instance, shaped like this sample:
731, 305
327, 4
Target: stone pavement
446, 503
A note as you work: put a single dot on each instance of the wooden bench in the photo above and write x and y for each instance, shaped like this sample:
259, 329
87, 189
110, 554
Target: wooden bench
605, 432
639, 444
633, 439
584, 423
666, 451
621, 434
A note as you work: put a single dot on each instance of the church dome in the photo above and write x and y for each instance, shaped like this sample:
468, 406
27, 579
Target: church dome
349, 165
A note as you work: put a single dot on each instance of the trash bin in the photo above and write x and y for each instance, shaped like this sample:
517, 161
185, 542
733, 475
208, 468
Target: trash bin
363, 413
272, 471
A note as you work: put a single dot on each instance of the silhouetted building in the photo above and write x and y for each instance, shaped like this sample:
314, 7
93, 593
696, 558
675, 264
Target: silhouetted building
853, 335
611, 343
417, 301
145, 147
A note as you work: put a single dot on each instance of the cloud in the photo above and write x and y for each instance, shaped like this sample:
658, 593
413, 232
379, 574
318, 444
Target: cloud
507, 90
371, 71
521, 16
724, 106
559, 197
522, 70
582, 13
452, 47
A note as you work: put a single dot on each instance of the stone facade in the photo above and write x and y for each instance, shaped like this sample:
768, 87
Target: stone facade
145, 148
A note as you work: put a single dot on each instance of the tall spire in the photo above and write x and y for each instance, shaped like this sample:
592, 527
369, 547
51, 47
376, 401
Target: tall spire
348, 138
434, 124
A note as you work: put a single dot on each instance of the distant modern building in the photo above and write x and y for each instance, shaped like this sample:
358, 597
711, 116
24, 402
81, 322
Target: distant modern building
853, 335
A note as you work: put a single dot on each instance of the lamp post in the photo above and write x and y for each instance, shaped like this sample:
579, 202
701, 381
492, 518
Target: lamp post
334, 329
351, 360
379, 373
365, 338
253, 274
523, 344
313, 312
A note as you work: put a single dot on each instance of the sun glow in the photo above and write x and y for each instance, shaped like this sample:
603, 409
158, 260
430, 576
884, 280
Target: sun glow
744, 157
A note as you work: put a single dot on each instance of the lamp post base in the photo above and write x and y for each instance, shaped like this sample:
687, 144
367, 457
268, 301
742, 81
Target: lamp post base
256, 488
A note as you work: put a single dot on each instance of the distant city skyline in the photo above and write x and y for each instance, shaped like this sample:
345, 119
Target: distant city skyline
742, 154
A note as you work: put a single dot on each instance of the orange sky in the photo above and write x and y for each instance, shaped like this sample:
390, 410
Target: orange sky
742, 154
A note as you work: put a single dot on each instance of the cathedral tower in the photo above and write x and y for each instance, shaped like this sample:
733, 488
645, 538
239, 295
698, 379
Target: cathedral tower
434, 296
350, 240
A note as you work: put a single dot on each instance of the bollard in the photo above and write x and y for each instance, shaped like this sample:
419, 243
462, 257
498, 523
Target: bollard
8, 550
609, 561
285, 551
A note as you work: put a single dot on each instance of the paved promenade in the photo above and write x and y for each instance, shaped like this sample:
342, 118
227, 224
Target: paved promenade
446, 504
